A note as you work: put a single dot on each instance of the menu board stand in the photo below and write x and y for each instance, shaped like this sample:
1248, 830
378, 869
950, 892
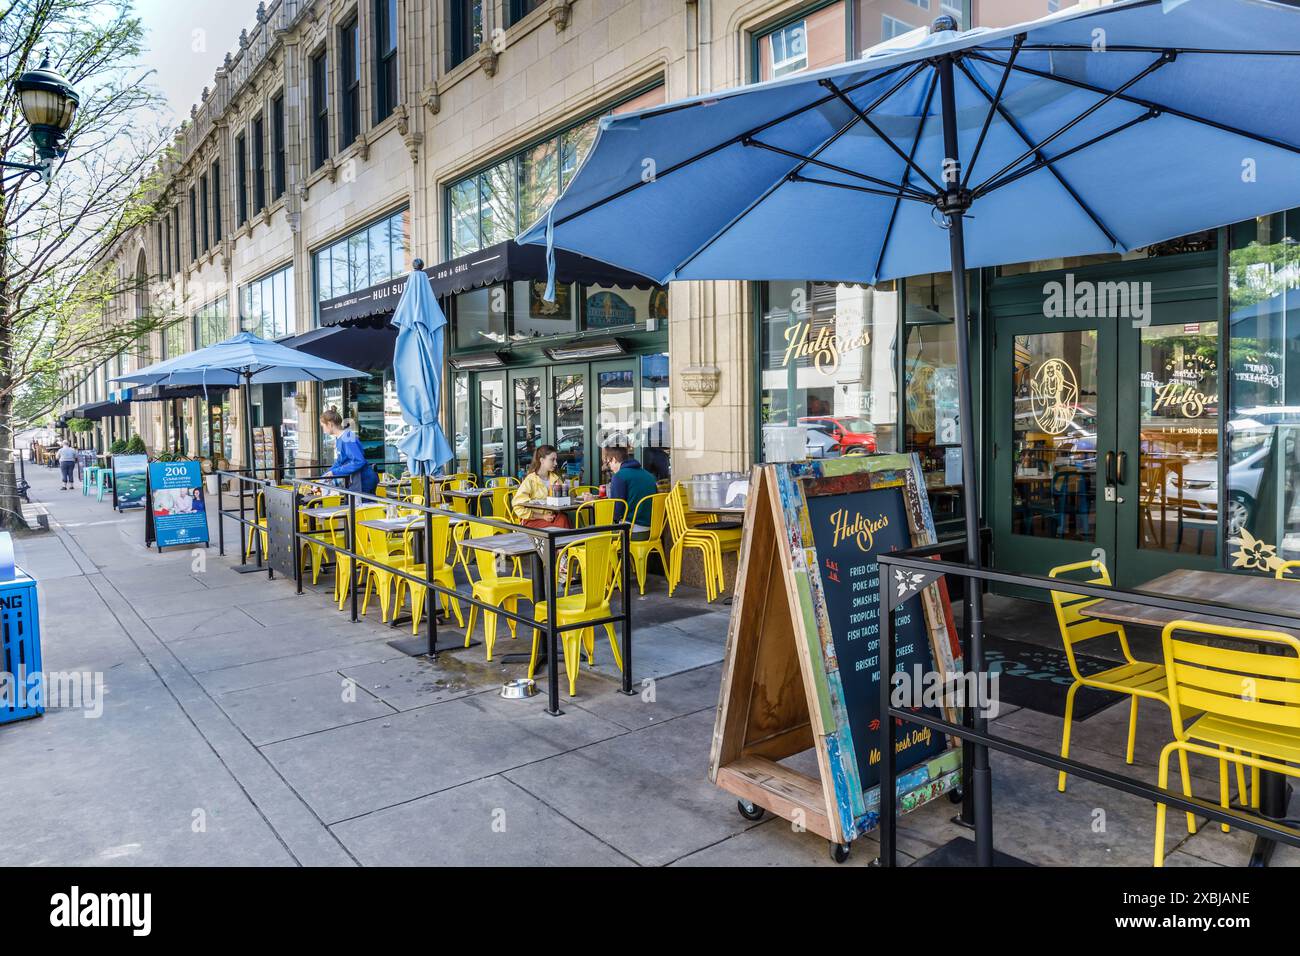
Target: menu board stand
806, 599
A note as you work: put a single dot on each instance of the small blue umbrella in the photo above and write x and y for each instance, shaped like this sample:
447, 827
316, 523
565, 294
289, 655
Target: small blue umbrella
1088, 131
240, 361
417, 370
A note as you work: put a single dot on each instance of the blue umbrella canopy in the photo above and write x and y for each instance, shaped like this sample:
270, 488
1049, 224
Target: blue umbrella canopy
417, 370
240, 360
1085, 132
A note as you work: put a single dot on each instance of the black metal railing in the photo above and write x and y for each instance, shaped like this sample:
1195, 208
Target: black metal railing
548, 544
1266, 825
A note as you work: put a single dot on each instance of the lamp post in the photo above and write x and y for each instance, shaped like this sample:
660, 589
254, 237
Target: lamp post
48, 103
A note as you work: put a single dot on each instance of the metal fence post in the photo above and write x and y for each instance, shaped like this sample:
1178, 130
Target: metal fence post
430, 595
297, 538
221, 520
888, 813
625, 537
552, 635
243, 509
355, 565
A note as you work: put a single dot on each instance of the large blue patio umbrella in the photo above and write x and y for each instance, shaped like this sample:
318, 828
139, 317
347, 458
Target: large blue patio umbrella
1085, 132
240, 361
417, 370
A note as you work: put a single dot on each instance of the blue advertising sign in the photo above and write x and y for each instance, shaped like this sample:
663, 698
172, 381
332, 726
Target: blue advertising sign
176, 499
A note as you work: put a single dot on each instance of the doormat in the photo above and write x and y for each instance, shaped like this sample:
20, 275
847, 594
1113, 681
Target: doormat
1039, 678
960, 851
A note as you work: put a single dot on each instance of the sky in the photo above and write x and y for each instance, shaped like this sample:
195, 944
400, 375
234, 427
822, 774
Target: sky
186, 40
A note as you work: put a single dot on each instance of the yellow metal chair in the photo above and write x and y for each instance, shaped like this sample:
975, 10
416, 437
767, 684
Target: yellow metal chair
501, 497
1135, 678
599, 512
443, 571
654, 515
378, 559
313, 551
708, 538
502, 481
1250, 702
591, 604
259, 518
493, 588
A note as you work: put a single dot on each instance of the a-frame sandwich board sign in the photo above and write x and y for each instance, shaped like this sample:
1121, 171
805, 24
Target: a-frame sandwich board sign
801, 667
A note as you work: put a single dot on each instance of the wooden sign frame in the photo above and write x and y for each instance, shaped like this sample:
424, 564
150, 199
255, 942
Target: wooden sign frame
781, 689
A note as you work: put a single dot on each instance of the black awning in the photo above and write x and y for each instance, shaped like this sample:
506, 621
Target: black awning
503, 262
165, 393
95, 411
365, 348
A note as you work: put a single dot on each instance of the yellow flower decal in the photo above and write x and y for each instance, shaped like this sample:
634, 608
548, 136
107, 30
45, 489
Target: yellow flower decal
1254, 554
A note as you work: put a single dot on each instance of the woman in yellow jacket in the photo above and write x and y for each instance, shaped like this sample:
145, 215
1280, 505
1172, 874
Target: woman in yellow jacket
539, 483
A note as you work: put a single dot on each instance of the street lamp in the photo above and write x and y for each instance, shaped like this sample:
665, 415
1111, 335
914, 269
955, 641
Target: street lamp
48, 103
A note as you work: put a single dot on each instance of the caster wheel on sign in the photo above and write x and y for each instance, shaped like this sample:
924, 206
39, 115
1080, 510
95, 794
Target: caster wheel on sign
839, 852
956, 795
750, 811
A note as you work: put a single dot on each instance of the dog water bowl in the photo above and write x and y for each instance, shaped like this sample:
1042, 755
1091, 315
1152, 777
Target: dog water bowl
518, 689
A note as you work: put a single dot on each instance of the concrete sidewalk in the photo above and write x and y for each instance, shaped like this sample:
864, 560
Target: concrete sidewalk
245, 724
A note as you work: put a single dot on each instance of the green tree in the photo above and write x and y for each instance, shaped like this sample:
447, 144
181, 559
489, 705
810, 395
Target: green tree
61, 295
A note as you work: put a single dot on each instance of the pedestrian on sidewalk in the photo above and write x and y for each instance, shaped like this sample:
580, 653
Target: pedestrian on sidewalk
67, 458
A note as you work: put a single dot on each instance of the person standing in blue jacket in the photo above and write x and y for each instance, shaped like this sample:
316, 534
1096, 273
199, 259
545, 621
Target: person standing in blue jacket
349, 460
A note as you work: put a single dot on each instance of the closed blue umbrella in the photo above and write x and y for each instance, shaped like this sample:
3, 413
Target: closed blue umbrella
417, 370
1088, 131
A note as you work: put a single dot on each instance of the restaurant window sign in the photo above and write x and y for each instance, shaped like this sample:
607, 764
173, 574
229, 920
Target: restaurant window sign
827, 366
1262, 492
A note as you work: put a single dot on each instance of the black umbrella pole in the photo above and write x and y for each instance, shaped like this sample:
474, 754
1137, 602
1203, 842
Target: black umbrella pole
957, 203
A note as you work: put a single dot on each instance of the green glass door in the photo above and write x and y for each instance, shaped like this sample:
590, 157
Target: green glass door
570, 409
618, 417
528, 412
1054, 423
491, 425
1167, 452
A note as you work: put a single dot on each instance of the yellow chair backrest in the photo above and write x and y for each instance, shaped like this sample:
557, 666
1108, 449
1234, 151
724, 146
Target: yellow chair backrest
439, 528
1074, 623
502, 481
501, 498
597, 568
1238, 684
602, 511
305, 522
658, 513
366, 536
486, 560
677, 510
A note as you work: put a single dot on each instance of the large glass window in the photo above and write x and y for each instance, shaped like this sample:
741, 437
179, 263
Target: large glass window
259, 164
1262, 499
385, 58
266, 305
466, 29
320, 109
211, 323
279, 159
504, 199
349, 83
481, 317
366, 257
827, 368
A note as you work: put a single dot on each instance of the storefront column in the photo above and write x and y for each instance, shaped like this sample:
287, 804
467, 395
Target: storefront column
709, 346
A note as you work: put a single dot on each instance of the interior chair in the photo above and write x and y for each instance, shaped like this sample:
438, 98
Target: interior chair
443, 570
1249, 704
1137, 679
591, 604
493, 588
650, 511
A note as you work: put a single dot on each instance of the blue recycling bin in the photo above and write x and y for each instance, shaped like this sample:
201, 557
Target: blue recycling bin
22, 685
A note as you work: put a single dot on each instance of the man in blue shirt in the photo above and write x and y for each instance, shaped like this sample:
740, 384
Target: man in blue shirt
349, 459
629, 483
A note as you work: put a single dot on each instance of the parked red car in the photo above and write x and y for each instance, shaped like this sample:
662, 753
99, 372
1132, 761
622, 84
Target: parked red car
852, 435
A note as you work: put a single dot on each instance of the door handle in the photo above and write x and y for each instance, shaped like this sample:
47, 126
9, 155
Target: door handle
1110, 468
1122, 467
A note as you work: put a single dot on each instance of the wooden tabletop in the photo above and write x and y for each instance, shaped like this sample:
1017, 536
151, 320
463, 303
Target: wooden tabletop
540, 505
512, 544
1256, 592
465, 492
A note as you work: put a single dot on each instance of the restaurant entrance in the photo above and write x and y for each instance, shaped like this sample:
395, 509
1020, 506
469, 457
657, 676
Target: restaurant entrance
578, 407
1105, 423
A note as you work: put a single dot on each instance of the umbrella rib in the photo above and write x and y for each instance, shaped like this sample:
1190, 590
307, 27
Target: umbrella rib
1149, 104
794, 174
881, 133
916, 143
806, 160
739, 137
895, 194
1165, 59
1131, 48
1046, 163
1056, 173
993, 107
